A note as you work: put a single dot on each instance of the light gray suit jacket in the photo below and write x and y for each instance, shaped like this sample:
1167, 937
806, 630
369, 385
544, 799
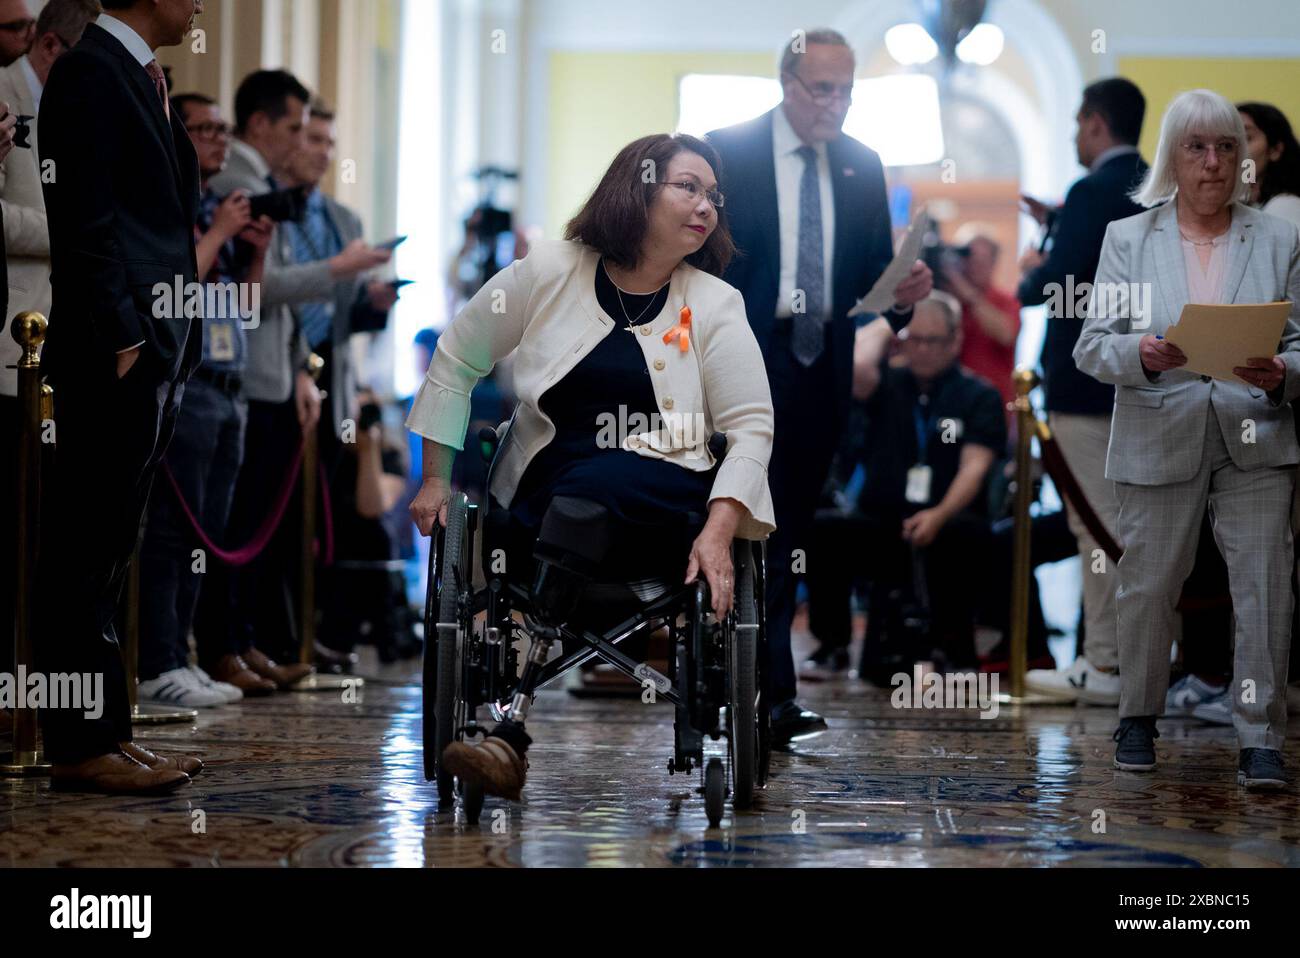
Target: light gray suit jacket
1158, 429
276, 350
26, 230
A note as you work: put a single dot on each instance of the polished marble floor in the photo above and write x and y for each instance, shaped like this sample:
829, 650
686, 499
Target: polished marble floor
307, 779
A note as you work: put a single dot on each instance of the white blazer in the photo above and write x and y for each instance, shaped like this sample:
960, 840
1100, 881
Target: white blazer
26, 231
543, 308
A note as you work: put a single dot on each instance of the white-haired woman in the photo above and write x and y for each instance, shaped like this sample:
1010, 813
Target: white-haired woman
1180, 440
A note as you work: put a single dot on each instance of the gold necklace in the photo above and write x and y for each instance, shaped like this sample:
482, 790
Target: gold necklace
631, 324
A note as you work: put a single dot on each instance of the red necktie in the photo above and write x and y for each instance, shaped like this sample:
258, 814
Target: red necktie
160, 84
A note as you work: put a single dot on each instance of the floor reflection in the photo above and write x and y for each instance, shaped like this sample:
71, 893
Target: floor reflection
309, 780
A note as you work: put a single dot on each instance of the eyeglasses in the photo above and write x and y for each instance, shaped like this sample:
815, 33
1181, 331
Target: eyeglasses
693, 190
823, 93
211, 131
932, 341
1197, 149
18, 26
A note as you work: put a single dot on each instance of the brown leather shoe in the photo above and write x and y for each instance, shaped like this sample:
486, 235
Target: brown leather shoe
284, 676
188, 764
117, 774
492, 762
233, 669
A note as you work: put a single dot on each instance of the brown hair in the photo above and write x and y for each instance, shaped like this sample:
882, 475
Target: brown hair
615, 218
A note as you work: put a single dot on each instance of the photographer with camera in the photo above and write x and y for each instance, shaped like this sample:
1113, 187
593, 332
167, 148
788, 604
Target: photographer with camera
990, 317
933, 434
364, 593
271, 114
208, 445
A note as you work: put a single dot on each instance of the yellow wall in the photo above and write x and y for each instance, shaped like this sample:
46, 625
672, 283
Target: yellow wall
600, 102
1274, 81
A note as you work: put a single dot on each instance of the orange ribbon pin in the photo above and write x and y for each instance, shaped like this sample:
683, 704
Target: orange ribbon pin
681, 332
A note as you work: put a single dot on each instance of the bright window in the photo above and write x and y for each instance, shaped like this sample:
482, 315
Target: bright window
897, 115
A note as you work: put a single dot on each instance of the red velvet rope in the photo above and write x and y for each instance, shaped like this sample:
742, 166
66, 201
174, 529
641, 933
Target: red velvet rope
249, 552
328, 509
245, 555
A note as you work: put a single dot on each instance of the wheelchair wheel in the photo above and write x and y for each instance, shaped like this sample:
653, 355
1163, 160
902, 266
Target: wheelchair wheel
744, 697
472, 797
449, 634
715, 791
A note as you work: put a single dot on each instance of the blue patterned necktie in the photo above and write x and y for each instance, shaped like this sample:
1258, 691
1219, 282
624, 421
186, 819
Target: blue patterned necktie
808, 337
312, 240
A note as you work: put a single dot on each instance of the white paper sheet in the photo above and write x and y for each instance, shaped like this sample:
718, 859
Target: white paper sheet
881, 296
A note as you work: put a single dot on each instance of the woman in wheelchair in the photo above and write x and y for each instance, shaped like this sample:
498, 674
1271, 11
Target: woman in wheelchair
630, 353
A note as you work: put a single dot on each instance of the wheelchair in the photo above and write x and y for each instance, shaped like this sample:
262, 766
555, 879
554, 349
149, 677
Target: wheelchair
716, 672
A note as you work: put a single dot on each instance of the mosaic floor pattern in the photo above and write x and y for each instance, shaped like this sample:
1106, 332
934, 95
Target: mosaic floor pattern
303, 779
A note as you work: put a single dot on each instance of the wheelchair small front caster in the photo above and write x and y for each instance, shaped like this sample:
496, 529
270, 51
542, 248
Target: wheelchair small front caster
715, 791
472, 797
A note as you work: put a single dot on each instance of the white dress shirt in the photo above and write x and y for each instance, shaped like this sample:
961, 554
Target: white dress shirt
126, 36
1105, 156
33, 82
135, 46
789, 173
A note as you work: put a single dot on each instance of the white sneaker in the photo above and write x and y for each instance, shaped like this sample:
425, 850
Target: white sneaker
179, 687
1187, 693
1079, 682
1217, 710
233, 693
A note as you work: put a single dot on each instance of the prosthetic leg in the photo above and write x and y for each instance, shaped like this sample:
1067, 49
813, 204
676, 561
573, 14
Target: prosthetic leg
573, 541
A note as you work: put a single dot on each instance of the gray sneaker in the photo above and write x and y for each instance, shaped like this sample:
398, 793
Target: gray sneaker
1217, 710
1187, 693
1136, 751
1261, 769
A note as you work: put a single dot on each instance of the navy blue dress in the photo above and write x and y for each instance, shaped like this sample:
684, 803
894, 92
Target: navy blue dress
658, 506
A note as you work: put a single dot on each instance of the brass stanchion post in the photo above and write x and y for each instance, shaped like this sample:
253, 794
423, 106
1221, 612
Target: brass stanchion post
314, 682
29, 332
142, 714
1021, 565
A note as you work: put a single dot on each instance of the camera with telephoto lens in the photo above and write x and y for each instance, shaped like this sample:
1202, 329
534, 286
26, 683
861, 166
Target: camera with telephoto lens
22, 130
282, 206
371, 415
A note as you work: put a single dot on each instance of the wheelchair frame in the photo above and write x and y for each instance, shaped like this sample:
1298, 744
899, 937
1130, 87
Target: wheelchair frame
471, 661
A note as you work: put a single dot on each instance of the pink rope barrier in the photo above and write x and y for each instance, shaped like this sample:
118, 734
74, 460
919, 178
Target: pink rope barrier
249, 552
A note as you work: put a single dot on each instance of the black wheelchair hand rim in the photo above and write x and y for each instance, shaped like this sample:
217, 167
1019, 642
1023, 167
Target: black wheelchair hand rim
447, 686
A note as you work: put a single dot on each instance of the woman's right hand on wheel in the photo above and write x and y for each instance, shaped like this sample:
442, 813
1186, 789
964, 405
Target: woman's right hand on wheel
430, 505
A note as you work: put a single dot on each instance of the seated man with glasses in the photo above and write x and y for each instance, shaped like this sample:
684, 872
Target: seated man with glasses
933, 434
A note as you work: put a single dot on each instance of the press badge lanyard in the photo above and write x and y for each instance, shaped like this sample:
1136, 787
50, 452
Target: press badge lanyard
918, 477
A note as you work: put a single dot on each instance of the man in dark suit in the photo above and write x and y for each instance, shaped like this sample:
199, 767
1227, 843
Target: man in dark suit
122, 204
1078, 406
808, 209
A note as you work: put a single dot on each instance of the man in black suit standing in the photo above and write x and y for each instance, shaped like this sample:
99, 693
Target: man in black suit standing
808, 209
1079, 407
122, 203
